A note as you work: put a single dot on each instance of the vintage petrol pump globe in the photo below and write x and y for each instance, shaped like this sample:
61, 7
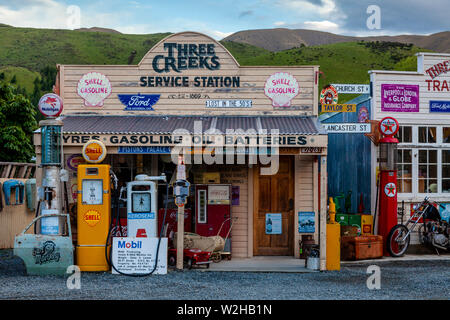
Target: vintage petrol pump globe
388, 127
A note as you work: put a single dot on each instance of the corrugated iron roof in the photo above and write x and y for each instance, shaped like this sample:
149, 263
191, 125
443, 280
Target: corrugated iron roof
106, 124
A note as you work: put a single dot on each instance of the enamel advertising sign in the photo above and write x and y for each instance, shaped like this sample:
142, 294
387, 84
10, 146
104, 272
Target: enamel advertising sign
281, 88
50, 105
94, 88
399, 98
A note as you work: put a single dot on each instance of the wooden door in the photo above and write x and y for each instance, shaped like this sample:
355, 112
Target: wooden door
274, 194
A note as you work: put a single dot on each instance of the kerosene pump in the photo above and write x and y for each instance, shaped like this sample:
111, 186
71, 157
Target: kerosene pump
388, 127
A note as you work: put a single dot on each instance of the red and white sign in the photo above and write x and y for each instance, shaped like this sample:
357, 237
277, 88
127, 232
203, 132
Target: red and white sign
390, 189
50, 105
281, 88
388, 126
329, 95
94, 88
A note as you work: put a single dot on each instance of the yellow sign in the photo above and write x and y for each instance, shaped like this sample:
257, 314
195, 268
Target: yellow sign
338, 107
92, 217
94, 151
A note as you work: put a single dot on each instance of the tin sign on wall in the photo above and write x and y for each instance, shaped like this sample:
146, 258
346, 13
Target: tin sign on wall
439, 106
273, 223
94, 88
399, 98
139, 101
281, 88
306, 222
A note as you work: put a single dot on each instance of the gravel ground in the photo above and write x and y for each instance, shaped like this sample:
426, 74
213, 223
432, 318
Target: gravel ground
399, 280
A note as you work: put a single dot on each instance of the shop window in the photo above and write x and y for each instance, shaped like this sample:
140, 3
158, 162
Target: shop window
445, 171
404, 134
404, 170
427, 134
427, 175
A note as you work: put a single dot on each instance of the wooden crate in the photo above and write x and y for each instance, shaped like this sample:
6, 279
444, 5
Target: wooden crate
361, 248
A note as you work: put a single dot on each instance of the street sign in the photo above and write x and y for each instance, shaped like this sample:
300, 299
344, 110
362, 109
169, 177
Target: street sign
352, 88
347, 127
339, 107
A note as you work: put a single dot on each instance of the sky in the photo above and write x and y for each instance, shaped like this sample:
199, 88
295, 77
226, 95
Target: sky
220, 18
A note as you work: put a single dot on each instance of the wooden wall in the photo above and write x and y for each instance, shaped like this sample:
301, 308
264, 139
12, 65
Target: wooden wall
13, 218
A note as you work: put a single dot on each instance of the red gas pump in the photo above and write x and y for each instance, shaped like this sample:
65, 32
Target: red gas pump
388, 127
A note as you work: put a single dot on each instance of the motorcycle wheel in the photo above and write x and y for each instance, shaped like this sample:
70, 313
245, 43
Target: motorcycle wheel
395, 246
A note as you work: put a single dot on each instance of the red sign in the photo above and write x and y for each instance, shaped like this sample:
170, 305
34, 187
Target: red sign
50, 105
388, 126
329, 95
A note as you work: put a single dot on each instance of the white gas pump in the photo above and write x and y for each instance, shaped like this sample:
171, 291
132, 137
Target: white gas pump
142, 206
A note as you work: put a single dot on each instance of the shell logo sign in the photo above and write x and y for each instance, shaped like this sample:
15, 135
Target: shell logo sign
281, 88
92, 217
94, 88
94, 151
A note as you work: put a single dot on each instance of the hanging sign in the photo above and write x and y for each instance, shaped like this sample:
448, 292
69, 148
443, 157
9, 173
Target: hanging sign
139, 101
399, 98
50, 105
388, 126
94, 88
281, 88
347, 127
329, 95
352, 88
339, 107
94, 151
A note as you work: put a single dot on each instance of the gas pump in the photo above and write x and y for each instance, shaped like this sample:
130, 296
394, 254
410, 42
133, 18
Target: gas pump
142, 206
93, 208
388, 178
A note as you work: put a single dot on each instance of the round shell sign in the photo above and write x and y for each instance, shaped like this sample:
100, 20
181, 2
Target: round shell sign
92, 217
50, 105
94, 151
329, 95
388, 126
94, 88
281, 88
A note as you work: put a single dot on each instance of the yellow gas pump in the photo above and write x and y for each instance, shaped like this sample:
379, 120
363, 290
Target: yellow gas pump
93, 213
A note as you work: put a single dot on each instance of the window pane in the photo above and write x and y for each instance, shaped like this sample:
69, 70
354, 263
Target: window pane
445, 156
432, 156
423, 172
432, 135
432, 171
446, 185
404, 186
407, 156
422, 134
432, 186
445, 171
446, 134
407, 134
423, 156
421, 185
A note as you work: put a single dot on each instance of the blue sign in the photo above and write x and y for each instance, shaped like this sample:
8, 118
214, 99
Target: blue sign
139, 101
445, 213
145, 150
273, 223
306, 222
439, 106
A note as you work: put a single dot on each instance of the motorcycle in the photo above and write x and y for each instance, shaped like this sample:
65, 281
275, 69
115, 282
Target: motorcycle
433, 231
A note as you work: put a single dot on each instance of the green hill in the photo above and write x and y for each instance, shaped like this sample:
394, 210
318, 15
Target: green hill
26, 52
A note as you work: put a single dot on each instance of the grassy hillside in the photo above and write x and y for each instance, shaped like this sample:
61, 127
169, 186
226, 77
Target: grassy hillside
24, 77
343, 62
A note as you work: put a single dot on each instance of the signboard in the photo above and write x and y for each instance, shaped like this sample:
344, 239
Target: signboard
136, 102
329, 95
228, 103
273, 223
94, 88
74, 160
347, 127
339, 107
281, 88
439, 106
50, 105
306, 222
94, 151
137, 255
399, 98
352, 88
388, 126
145, 150
445, 212
218, 194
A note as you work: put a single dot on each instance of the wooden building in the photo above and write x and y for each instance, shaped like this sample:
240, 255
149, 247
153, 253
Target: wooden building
189, 85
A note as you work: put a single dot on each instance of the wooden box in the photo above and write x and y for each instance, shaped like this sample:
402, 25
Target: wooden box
361, 248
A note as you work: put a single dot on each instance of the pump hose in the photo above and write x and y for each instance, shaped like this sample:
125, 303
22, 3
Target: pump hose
111, 264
